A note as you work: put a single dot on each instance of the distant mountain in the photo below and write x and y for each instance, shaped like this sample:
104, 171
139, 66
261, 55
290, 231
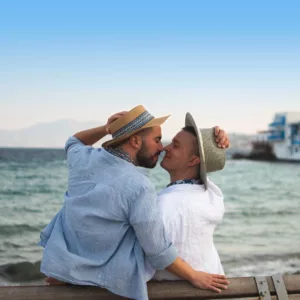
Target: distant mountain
44, 135
55, 134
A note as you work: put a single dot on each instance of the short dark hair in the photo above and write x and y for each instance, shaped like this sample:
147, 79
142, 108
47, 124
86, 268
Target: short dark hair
191, 130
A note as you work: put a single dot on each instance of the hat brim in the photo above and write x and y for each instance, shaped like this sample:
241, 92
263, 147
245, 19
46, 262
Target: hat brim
189, 121
154, 122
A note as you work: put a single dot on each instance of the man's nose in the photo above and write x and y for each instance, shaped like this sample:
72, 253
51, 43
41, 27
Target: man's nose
166, 148
160, 148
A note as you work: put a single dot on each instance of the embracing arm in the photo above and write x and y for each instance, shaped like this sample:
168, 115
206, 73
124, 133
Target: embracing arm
198, 279
91, 136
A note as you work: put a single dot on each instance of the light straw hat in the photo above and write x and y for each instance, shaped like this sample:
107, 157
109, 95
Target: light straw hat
130, 123
212, 158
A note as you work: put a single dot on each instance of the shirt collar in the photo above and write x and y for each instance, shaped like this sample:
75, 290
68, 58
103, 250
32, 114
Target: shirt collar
185, 181
119, 152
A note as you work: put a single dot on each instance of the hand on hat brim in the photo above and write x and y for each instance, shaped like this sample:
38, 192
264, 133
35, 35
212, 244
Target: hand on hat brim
112, 119
222, 138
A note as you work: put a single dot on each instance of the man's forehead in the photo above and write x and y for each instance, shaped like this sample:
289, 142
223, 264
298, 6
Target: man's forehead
156, 130
183, 136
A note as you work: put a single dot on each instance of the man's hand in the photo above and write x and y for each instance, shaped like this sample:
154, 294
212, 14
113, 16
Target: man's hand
200, 280
208, 281
93, 135
222, 138
112, 119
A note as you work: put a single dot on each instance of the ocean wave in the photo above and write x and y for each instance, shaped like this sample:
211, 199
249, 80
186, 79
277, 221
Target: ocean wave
263, 265
28, 191
21, 272
260, 213
8, 244
28, 209
6, 230
10, 192
262, 258
26, 155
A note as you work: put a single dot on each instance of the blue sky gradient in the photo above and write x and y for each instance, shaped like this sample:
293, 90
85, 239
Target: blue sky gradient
232, 63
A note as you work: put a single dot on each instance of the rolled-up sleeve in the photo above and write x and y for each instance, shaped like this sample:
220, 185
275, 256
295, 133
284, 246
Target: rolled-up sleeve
148, 226
76, 151
73, 144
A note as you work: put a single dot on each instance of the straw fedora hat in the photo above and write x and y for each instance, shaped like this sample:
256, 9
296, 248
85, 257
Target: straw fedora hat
130, 123
212, 158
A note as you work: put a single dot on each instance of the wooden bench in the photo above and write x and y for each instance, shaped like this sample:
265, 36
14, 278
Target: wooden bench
246, 288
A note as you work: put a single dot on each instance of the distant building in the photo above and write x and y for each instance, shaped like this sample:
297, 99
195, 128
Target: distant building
284, 135
280, 142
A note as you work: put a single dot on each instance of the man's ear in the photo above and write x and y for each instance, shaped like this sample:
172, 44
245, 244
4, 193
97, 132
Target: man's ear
135, 141
195, 160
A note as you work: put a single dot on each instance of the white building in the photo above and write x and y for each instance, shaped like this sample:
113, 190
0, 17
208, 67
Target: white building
284, 135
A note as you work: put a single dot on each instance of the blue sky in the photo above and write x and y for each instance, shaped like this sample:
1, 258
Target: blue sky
231, 63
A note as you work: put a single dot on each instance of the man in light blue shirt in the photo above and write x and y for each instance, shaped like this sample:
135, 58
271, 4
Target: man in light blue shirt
108, 232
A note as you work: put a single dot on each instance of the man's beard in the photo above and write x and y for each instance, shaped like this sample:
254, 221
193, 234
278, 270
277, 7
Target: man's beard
145, 160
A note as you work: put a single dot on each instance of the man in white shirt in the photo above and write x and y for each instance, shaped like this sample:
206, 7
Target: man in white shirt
191, 206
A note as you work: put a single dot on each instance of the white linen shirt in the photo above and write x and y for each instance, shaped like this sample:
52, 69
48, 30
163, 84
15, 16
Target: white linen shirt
190, 214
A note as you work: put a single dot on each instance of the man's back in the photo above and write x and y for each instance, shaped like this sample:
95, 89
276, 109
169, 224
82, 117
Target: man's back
97, 237
190, 215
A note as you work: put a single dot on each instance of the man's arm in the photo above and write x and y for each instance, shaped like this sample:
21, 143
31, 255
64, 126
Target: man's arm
91, 136
201, 280
79, 145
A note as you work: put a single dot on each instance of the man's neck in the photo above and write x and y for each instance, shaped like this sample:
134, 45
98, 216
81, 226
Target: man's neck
129, 152
120, 152
182, 175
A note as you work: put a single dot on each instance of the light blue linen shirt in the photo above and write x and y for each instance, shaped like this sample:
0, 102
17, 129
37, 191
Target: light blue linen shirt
108, 232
